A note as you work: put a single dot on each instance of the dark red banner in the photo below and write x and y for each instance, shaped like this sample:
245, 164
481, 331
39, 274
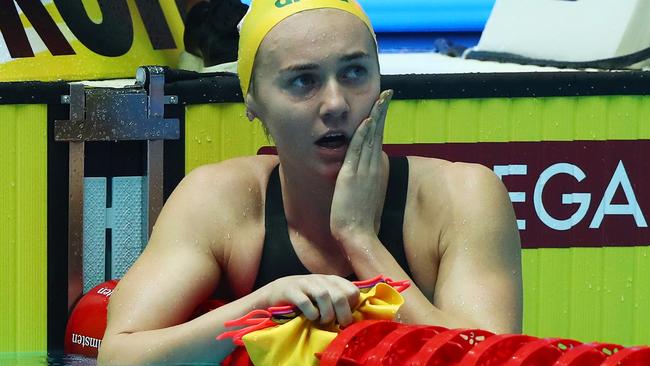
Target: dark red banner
565, 194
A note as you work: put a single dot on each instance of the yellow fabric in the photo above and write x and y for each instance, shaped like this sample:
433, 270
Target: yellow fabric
297, 341
263, 15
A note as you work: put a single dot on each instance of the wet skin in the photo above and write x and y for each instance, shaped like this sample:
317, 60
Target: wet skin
460, 235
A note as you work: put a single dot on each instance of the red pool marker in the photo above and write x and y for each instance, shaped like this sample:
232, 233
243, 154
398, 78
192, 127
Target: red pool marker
542, 352
400, 345
87, 323
238, 357
449, 347
633, 356
496, 350
588, 354
351, 346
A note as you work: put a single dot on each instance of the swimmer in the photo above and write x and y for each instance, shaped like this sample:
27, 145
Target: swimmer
331, 207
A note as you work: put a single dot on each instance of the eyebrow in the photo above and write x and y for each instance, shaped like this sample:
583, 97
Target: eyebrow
307, 67
354, 56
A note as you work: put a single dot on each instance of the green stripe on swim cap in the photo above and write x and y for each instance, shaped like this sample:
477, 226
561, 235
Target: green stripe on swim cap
263, 15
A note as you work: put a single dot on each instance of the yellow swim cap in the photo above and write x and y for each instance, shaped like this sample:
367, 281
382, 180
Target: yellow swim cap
263, 15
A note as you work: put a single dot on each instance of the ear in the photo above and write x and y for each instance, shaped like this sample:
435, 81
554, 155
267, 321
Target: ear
250, 115
251, 107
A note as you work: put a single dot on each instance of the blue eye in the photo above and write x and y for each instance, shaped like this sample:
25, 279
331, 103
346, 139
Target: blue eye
355, 72
303, 82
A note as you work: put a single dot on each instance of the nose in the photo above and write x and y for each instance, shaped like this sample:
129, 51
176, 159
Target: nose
334, 102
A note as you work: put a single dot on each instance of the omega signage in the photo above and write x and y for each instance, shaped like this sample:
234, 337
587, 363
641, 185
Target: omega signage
565, 194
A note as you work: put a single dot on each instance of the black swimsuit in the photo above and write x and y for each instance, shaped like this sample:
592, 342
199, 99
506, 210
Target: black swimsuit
278, 256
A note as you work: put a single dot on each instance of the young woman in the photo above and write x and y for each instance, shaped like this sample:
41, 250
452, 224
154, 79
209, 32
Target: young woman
297, 227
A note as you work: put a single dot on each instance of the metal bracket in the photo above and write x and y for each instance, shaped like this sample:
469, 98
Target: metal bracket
109, 114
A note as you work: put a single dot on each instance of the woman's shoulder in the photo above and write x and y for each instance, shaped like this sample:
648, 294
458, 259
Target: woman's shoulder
457, 196
448, 174
231, 183
453, 184
232, 174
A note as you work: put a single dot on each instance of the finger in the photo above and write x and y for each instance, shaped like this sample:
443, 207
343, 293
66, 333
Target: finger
320, 295
304, 304
375, 112
324, 302
376, 108
351, 291
345, 300
341, 306
381, 120
356, 145
379, 133
368, 154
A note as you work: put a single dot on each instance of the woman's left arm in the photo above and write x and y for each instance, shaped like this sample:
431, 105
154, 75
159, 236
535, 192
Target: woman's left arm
479, 273
479, 280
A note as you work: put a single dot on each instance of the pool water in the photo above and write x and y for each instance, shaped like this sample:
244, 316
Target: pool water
51, 359
42, 359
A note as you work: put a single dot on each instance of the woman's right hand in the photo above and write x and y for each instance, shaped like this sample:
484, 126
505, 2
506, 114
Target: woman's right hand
322, 298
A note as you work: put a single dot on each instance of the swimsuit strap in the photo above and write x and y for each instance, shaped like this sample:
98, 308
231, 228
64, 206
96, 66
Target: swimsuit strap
391, 231
279, 259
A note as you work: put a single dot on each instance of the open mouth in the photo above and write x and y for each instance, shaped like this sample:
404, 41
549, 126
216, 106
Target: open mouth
332, 141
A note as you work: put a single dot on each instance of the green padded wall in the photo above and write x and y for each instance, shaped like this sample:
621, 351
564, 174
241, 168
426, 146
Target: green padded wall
23, 228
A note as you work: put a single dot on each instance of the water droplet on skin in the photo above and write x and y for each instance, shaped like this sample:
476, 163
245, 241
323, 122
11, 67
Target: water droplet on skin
228, 235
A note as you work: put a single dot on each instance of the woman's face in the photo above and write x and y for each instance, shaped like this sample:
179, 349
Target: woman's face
316, 78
